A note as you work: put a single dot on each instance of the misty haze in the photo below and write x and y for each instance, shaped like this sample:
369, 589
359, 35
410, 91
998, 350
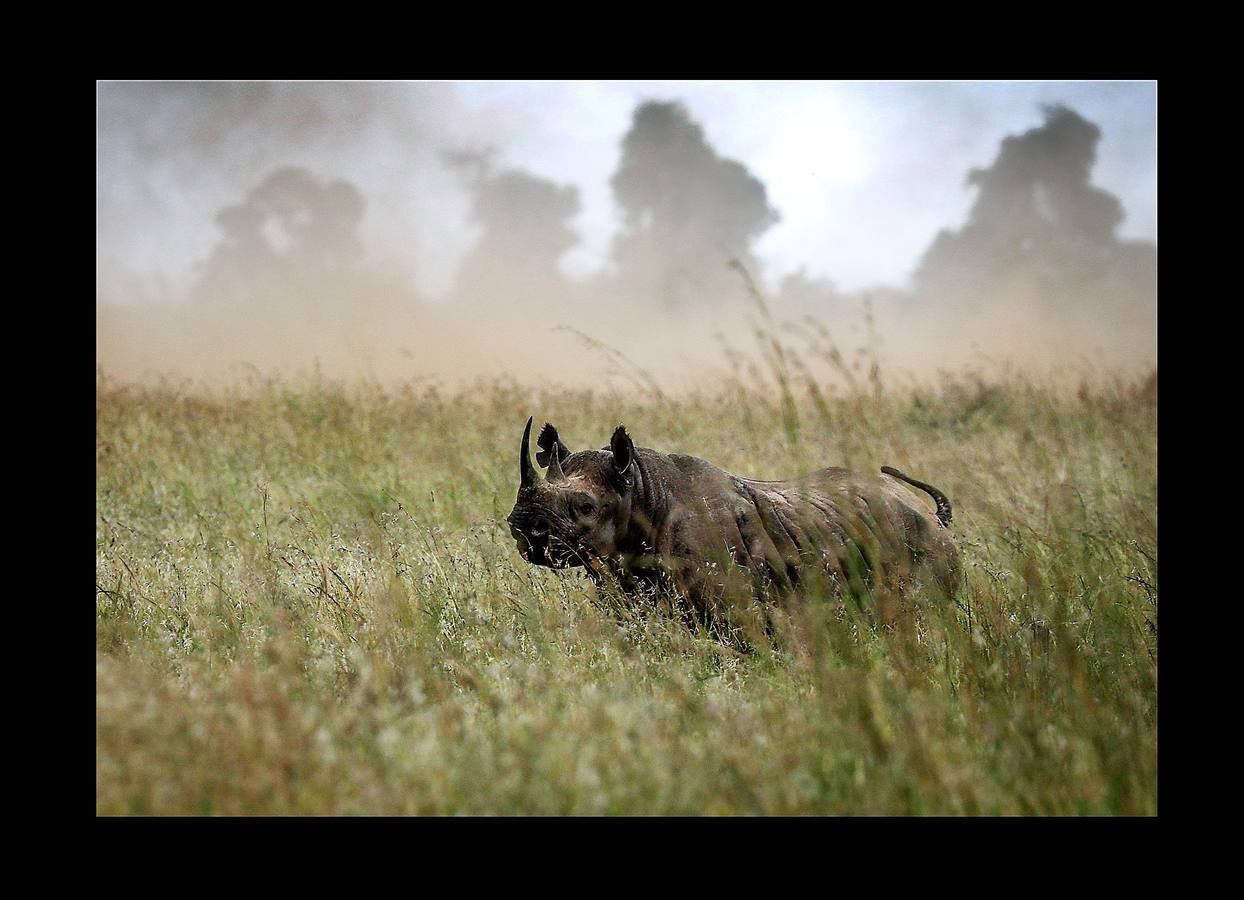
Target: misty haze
385, 230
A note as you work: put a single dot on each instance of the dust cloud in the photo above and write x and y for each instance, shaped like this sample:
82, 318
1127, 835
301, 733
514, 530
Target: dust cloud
293, 283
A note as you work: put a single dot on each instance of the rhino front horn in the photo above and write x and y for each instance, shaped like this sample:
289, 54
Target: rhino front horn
526, 470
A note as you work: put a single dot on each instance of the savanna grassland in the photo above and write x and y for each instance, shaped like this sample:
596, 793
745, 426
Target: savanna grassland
308, 602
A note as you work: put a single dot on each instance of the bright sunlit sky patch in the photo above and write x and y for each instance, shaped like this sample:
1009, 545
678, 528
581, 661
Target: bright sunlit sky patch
864, 174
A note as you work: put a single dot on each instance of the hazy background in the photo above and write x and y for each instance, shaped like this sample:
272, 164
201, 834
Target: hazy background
451, 230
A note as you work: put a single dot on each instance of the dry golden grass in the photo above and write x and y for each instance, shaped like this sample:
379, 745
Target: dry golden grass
307, 602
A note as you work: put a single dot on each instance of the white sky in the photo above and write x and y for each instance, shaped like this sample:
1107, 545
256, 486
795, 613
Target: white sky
864, 174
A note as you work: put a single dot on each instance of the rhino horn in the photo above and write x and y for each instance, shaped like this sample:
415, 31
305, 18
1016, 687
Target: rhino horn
527, 471
555, 466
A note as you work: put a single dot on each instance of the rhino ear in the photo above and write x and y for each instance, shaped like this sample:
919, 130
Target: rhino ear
546, 442
623, 455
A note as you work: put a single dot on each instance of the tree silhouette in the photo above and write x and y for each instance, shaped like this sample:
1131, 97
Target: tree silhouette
526, 231
686, 211
1038, 228
292, 231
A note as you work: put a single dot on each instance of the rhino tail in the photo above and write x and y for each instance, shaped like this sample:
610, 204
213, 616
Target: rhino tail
944, 509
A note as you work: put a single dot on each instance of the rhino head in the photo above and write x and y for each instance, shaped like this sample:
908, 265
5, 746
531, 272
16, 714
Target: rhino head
581, 510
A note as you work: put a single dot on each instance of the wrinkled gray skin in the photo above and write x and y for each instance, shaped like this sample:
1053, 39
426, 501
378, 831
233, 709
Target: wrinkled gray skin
651, 520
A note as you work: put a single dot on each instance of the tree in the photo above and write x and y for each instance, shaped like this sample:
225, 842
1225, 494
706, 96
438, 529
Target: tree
525, 233
686, 211
1039, 231
291, 232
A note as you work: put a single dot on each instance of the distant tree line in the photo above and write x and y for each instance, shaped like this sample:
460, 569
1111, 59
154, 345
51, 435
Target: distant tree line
1039, 231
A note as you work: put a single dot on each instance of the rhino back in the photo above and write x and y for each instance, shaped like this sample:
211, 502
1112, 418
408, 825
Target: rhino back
852, 524
861, 524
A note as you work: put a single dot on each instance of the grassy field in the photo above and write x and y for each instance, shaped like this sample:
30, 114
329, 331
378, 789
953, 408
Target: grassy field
307, 601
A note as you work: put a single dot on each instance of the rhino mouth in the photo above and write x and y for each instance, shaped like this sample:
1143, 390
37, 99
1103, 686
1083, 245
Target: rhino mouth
546, 548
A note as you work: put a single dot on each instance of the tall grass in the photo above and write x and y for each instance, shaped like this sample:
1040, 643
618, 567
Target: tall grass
307, 601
